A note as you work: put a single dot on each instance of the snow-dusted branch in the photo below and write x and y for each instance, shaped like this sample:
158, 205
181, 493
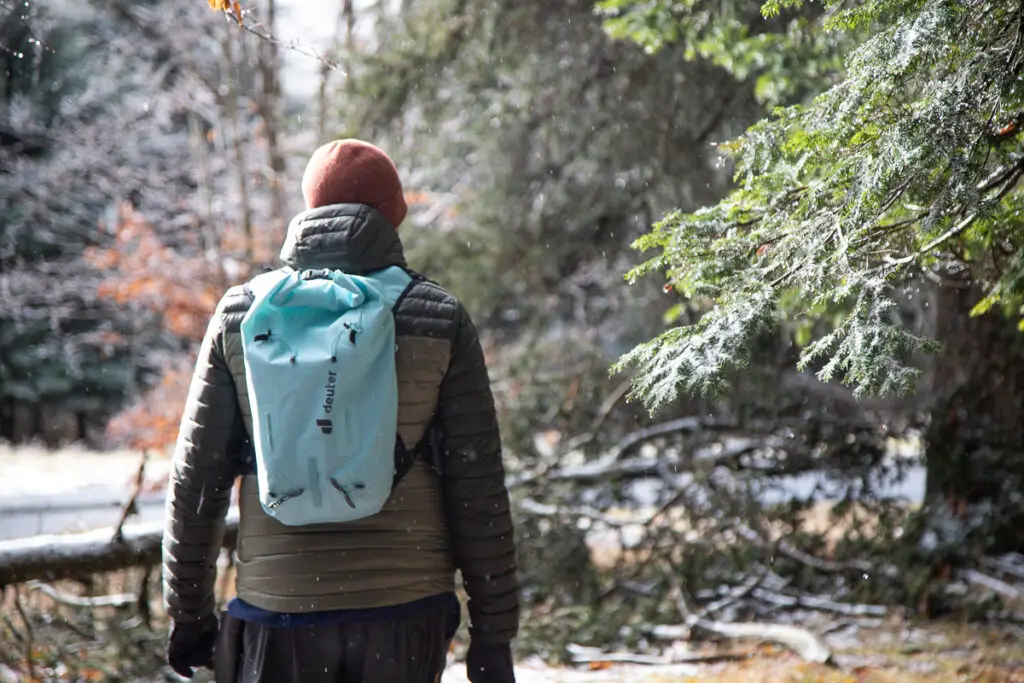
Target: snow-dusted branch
53, 557
116, 600
801, 641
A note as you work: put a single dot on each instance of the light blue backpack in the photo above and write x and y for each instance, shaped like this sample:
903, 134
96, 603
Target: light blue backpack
319, 350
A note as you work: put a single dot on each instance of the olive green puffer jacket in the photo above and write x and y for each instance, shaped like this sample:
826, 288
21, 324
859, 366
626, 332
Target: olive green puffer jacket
432, 525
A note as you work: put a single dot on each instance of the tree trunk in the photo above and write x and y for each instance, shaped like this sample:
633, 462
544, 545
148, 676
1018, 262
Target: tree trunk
7, 419
55, 557
268, 104
197, 136
36, 430
975, 439
346, 16
230, 103
81, 427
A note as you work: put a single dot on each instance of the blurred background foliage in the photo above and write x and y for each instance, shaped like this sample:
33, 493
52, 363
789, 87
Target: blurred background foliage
150, 156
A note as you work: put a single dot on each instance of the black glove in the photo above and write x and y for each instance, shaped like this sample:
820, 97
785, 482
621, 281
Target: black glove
490, 664
191, 645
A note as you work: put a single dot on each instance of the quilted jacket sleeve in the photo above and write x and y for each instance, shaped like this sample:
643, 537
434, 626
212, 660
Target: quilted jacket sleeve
476, 499
202, 473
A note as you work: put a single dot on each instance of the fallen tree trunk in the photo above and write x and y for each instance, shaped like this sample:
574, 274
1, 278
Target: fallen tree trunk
60, 556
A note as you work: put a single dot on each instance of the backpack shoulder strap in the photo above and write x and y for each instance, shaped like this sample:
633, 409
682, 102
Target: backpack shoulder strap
252, 285
428, 449
414, 280
430, 446
405, 457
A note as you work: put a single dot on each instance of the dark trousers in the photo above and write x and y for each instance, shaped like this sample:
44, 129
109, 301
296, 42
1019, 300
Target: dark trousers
411, 650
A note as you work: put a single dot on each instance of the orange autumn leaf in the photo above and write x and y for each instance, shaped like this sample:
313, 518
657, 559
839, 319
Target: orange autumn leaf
413, 197
183, 290
152, 423
234, 8
600, 666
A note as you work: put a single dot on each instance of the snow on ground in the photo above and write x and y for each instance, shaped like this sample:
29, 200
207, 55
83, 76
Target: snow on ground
28, 472
72, 489
536, 672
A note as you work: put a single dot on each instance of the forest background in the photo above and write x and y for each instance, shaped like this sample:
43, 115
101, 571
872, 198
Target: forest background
790, 231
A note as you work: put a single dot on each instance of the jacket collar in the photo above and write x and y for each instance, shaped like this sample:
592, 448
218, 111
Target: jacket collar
354, 238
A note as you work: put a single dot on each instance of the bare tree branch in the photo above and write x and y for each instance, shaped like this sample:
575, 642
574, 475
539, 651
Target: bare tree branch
117, 600
801, 641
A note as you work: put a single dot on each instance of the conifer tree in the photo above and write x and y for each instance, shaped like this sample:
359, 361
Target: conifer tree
904, 172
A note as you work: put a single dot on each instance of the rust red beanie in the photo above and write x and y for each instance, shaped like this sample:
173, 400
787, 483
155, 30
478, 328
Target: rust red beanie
354, 172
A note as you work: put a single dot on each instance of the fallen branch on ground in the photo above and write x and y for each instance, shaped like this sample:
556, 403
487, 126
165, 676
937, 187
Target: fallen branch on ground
1011, 563
588, 655
794, 553
993, 584
820, 603
635, 468
783, 547
592, 655
1007, 616
801, 641
60, 556
117, 600
732, 596
608, 465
